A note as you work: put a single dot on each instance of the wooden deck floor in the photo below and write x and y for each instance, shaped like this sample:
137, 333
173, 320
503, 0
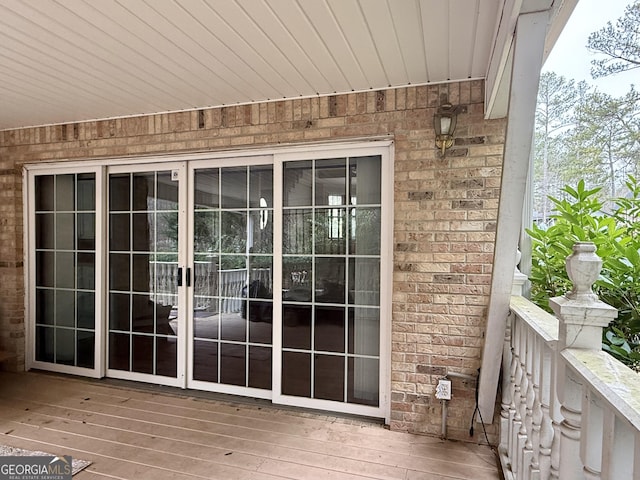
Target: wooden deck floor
141, 433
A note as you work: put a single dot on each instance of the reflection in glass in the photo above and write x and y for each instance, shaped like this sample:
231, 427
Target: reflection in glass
365, 232
297, 231
233, 232
45, 191
329, 329
233, 364
297, 188
330, 184
330, 280
65, 192
296, 326
234, 187
328, 377
331, 231
206, 190
260, 367
260, 231
261, 186
296, 374
364, 281
364, 331
205, 361
363, 381
365, 180
297, 279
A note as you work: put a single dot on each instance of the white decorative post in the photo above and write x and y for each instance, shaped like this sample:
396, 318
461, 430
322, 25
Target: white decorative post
581, 318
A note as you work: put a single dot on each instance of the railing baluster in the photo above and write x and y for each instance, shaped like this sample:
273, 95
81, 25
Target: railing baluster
592, 433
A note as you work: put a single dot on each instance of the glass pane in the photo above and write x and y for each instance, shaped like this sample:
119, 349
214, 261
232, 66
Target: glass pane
45, 305
119, 231
205, 276
329, 329
233, 364
297, 186
206, 193
142, 314
85, 349
234, 187
166, 320
260, 322
119, 191
297, 231
45, 269
65, 192
86, 231
260, 277
205, 361
296, 374
142, 354
143, 191
205, 231
143, 232
296, 279
331, 183
45, 344
330, 280
167, 232
331, 231
260, 367
364, 235
119, 312
86, 275
261, 231
141, 274
86, 191
65, 270
363, 381
45, 230
261, 186
65, 308
44, 193
65, 346
296, 326
233, 327
364, 331
206, 320
86, 310
119, 351
233, 235
167, 192
328, 377
364, 281
65, 231
119, 271
166, 356
364, 178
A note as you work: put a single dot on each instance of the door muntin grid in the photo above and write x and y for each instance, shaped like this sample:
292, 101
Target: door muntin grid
143, 270
65, 269
233, 265
331, 279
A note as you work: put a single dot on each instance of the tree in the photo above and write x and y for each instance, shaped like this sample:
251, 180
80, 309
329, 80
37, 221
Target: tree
620, 44
556, 98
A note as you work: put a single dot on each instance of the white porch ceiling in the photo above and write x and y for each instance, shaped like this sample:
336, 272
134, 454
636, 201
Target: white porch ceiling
72, 60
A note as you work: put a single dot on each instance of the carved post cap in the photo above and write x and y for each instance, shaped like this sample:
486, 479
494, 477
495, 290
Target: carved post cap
580, 312
583, 267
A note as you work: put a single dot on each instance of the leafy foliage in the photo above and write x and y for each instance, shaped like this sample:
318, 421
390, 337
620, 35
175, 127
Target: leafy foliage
620, 44
580, 218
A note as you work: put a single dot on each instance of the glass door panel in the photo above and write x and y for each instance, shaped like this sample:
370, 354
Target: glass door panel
143, 273
331, 279
232, 221
65, 269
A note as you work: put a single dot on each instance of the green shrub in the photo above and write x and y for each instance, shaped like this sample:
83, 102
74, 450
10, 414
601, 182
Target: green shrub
581, 218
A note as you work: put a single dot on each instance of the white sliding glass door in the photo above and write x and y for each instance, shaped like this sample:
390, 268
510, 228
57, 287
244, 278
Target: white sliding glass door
252, 275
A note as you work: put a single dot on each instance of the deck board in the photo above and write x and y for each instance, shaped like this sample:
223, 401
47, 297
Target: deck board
131, 432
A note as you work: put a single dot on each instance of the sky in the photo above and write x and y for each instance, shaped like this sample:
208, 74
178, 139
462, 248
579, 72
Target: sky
570, 56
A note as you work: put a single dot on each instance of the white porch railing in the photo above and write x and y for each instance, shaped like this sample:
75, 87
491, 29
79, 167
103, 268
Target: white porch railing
569, 410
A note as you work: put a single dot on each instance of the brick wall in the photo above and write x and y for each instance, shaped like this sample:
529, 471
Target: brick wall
445, 215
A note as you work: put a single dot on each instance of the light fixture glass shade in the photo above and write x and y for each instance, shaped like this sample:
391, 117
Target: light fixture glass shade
444, 124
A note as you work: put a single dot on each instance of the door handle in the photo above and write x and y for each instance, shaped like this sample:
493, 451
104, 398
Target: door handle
188, 279
179, 277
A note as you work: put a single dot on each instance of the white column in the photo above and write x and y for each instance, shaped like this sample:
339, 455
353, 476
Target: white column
528, 49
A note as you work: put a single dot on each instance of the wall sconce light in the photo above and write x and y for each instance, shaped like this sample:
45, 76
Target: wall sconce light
444, 123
